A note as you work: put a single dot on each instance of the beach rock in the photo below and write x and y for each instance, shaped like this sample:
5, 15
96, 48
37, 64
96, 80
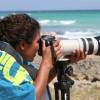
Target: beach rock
88, 69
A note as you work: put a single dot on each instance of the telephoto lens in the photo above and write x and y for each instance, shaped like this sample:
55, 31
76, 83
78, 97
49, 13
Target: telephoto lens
91, 45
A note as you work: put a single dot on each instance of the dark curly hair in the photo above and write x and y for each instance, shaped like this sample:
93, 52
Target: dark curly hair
15, 28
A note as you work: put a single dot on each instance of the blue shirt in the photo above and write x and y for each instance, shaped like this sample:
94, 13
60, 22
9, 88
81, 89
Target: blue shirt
15, 81
34, 67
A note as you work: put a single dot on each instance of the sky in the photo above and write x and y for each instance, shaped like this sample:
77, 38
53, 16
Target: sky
48, 5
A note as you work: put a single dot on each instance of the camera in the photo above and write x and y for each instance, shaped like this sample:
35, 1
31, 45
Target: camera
49, 40
91, 45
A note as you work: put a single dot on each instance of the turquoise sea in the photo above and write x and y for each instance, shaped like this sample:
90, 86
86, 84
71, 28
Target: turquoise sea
69, 23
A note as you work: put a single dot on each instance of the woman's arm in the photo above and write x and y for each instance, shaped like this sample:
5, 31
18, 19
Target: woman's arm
46, 65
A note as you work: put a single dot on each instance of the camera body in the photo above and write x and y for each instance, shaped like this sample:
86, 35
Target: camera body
49, 40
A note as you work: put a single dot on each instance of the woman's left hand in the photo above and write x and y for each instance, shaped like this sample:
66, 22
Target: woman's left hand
77, 55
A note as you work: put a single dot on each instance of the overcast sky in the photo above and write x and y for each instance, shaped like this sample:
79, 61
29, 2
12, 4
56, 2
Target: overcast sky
48, 4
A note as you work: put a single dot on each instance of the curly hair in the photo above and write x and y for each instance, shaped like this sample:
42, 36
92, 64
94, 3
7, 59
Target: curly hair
15, 28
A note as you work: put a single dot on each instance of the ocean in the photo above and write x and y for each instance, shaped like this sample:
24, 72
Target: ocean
71, 23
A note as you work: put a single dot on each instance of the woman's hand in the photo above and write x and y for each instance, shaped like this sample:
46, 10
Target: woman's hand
76, 56
57, 49
47, 55
46, 65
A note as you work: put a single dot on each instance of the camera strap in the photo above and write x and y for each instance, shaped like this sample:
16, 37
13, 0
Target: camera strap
54, 58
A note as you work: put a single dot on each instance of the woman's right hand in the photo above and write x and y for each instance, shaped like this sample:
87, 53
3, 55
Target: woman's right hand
44, 71
47, 55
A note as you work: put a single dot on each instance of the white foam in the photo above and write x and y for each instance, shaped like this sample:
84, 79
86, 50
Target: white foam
30, 14
1, 17
44, 22
48, 22
14, 13
69, 22
79, 34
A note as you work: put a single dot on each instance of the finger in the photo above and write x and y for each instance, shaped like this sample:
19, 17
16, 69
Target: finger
58, 52
77, 53
56, 43
57, 49
75, 56
59, 56
43, 47
82, 54
85, 54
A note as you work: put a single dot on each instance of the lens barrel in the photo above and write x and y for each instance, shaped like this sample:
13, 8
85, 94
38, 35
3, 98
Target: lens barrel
91, 45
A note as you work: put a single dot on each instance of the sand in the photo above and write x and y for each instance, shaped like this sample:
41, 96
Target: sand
86, 77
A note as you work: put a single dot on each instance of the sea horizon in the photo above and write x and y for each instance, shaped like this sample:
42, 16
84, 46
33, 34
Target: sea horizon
65, 22
49, 10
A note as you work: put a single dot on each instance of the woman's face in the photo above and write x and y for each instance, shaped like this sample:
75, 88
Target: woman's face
29, 50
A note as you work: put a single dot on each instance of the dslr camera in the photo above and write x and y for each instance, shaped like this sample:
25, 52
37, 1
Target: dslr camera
49, 40
91, 45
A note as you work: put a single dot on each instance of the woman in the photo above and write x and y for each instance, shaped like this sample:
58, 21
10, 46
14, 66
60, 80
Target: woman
20, 34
